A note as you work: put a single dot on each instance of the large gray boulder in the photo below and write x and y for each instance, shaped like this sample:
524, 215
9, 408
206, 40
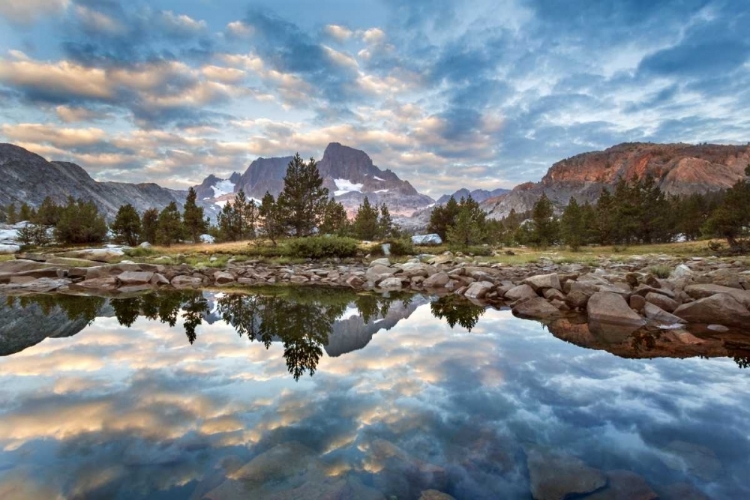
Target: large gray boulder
379, 272
536, 308
478, 289
390, 284
427, 239
607, 307
707, 290
659, 315
543, 282
437, 280
721, 309
130, 278
520, 292
662, 301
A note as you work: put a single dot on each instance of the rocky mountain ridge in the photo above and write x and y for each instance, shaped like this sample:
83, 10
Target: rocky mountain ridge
29, 178
478, 195
679, 169
348, 173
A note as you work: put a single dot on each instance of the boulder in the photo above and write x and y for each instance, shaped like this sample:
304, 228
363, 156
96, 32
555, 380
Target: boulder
544, 281
577, 299
655, 313
207, 238
159, 280
437, 280
380, 262
556, 476
554, 294
706, 290
520, 292
478, 290
130, 278
412, 269
435, 495
223, 278
390, 284
637, 302
355, 281
681, 272
721, 309
145, 244
114, 254
379, 272
662, 301
427, 239
186, 282
606, 307
536, 308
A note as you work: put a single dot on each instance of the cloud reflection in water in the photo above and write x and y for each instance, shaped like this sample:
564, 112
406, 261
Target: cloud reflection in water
143, 411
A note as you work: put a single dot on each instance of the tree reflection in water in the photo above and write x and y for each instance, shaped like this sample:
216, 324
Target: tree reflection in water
456, 309
74, 307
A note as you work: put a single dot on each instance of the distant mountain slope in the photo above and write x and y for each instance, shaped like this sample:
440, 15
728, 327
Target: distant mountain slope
348, 173
29, 178
478, 195
679, 169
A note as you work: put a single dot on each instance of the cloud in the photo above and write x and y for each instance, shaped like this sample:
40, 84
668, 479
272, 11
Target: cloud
340, 33
239, 29
27, 12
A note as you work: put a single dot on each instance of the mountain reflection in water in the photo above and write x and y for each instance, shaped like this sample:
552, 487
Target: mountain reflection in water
206, 395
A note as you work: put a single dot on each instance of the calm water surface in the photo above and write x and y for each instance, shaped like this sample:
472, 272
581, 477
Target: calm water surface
303, 394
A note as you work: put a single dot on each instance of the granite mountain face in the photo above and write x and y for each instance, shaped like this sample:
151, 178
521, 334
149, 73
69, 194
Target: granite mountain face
29, 178
348, 173
678, 169
479, 195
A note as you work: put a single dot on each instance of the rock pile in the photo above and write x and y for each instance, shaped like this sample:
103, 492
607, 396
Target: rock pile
627, 295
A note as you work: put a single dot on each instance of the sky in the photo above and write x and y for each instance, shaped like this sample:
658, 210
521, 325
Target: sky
448, 94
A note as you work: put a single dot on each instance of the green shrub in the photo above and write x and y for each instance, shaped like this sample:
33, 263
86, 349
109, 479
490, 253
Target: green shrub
139, 252
401, 247
662, 272
321, 247
269, 251
477, 251
619, 248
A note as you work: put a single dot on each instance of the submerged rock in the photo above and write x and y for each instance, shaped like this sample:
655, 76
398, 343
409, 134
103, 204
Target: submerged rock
624, 485
556, 476
536, 308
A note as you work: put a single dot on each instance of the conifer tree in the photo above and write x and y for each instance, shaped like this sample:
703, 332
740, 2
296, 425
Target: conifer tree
465, 231
271, 218
335, 220
239, 208
48, 213
571, 225
150, 225
250, 218
170, 225
366, 221
12, 216
80, 222
386, 228
302, 201
442, 217
127, 225
193, 218
545, 225
26, 213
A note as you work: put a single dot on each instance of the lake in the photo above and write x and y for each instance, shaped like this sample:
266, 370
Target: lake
305, 393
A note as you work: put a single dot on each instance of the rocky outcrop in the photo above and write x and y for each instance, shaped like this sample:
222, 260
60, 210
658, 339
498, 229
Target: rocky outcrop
479, 195
29, 178
557, 476
678, 169
348, 173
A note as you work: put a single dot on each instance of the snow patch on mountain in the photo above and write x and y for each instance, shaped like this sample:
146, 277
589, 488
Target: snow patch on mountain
223, 187
381, 191
344, 186
377, 178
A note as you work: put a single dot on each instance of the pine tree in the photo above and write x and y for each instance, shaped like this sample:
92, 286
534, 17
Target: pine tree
335, 220
386, 228
545, 225
193, 218
26, 213
571, 225
465, 230
732, 216
48, 213
170, 225
302, 201
12, 216
250, 218
442, 217
239, 208
270, 218
366, 221
150, 225
226, 222
127, 225
80, 222
605, 217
